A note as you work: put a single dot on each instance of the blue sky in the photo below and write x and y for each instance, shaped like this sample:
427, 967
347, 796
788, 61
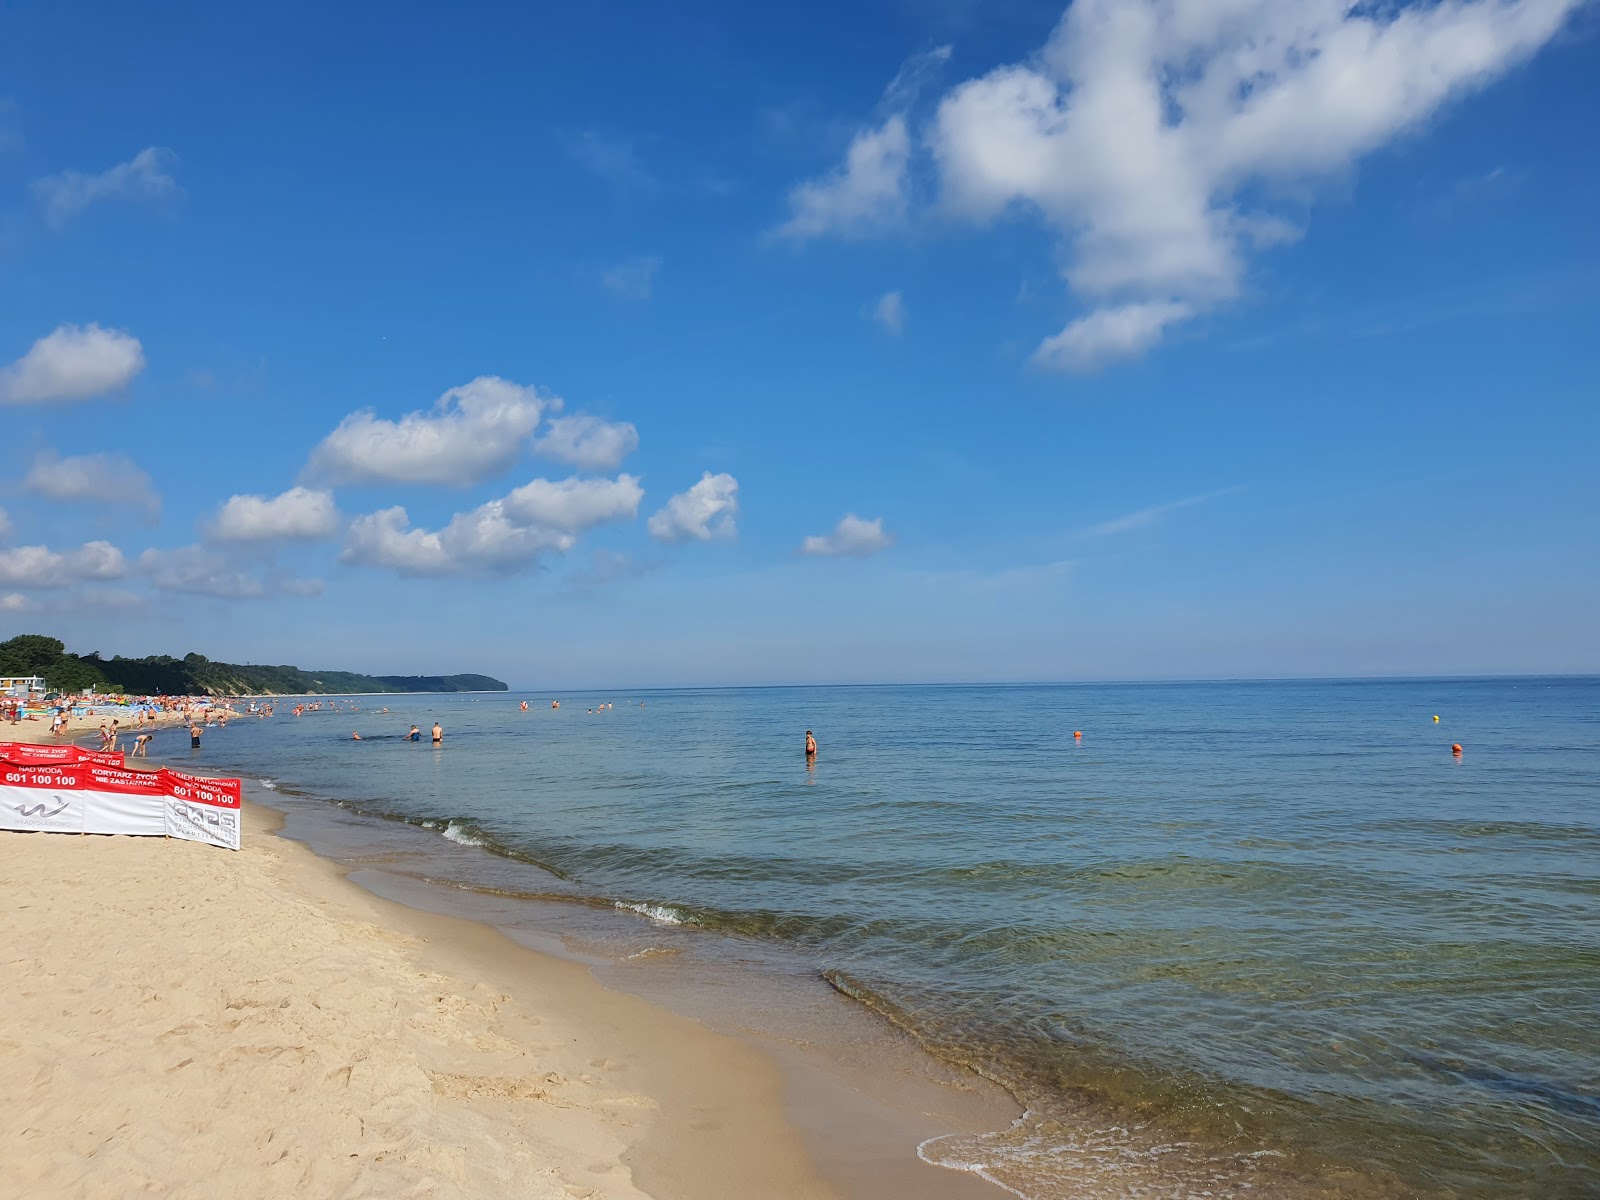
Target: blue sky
887, 341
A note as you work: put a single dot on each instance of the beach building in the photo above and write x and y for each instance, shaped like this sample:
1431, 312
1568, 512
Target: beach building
21, 685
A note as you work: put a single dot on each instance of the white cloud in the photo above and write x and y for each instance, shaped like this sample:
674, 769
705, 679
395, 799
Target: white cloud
633, 279
1124, 331
298, 514
866, 193
73, 362
1140, 127
197, 571
16, 602
574, 505
143, 177
485, 540
891, 312
853, 537
705, 511
107, 478
41, 567
473, 433
588, 442
499, 537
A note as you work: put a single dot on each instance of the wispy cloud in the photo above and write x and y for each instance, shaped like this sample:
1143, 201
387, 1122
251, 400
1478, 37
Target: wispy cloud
890, 312
633, 279
146, 176
612, 157
867, 192
1146, 517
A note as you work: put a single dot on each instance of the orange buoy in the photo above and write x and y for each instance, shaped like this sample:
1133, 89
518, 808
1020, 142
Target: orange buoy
1455, 748
1078, 733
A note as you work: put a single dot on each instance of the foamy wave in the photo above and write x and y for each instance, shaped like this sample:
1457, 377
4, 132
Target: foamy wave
656, 912
461, 837
270, 784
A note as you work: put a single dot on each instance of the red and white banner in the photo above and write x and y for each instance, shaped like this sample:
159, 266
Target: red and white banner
87, 797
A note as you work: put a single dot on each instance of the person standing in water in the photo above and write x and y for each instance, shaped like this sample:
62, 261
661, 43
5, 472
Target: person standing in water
811, 746
438, 733
195, 730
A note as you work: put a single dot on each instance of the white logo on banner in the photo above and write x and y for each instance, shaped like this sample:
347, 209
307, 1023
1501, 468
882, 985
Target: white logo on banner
37, 809
203, 823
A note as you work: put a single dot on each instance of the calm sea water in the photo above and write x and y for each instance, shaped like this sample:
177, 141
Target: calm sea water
1264, 937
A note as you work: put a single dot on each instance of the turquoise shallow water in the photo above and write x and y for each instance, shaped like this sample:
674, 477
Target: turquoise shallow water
1265, 936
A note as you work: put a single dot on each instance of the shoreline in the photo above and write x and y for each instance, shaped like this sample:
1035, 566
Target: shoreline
320, 1035
864, 1095
335, 1040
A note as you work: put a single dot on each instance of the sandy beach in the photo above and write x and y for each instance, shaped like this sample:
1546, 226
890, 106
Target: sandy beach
183, 1021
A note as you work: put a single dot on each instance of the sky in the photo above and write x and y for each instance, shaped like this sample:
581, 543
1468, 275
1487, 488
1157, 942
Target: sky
892, 341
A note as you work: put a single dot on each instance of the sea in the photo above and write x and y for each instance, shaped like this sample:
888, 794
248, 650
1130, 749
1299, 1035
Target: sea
1216, 939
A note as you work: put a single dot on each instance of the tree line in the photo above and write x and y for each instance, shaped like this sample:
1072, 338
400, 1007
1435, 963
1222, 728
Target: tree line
196, 675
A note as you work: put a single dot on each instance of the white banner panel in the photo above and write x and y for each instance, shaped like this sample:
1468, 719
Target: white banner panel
41, 798
202, 810
126, 802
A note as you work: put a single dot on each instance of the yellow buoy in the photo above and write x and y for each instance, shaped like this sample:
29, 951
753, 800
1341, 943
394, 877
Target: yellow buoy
1435, 720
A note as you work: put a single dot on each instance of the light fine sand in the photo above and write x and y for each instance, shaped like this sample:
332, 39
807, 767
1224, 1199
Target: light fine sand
181, 1021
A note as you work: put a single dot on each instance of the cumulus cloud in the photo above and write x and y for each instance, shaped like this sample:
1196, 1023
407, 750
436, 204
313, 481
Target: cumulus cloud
41, 567
890, 312
866, 193
505, 535
853, 537
574, 505
705, 511
485, 540
299, 514
143, 177
101, 478
588, 442
196, 571
1106, 334
633, 279
73, 362
1149, 135
1139, 128
473, 433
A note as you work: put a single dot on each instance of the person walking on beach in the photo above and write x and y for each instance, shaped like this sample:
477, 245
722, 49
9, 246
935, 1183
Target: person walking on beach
438, 733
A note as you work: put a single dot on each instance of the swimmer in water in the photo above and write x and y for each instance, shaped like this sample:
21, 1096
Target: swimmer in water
415, 735
355, 737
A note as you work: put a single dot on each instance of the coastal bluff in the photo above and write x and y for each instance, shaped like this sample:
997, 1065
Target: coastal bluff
196, 675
